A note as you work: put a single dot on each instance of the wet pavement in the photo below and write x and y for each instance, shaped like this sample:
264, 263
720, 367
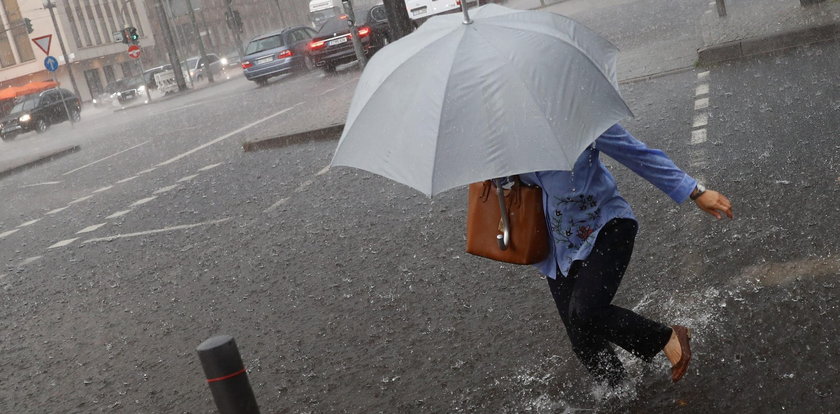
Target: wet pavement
347, 292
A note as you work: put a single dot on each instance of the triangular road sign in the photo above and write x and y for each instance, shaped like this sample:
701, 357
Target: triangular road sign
43, 43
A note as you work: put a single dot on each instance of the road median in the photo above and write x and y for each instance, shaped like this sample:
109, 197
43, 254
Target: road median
329, 133
14, 164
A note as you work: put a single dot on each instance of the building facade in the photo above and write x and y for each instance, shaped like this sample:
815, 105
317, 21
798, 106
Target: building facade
87, 28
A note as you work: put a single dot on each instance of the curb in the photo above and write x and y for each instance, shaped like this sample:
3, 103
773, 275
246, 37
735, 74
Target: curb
765, 44
40, 159
332, 132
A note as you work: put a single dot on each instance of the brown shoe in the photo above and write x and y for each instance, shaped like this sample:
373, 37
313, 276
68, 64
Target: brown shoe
683, 336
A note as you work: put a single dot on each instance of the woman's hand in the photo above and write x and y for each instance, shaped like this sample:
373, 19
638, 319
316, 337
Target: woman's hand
714, 203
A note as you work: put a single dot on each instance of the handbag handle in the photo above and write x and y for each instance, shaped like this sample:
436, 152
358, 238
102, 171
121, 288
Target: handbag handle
504, 238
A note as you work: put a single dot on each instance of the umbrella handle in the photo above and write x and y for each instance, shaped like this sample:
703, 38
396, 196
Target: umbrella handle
504, 238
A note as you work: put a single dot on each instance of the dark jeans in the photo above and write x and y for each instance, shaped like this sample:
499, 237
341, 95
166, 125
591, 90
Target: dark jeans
583, 300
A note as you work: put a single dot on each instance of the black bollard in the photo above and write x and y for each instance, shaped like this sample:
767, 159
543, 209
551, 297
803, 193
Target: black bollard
226, 376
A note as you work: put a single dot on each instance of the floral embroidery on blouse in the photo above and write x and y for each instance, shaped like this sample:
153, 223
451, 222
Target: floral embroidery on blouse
570, 231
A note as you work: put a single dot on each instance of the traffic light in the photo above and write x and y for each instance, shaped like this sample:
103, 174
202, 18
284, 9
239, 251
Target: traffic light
133, 37
28, 23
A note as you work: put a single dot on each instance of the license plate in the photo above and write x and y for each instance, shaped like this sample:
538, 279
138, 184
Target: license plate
264, 60
418, 11
337, 41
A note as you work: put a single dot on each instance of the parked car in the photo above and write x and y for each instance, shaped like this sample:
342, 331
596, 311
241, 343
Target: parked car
277, 53
149, 76
122, 92
333, 46
38, 111
198, 67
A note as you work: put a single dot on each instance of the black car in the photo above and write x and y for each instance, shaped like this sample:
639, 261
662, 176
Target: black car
332, 45
38, 111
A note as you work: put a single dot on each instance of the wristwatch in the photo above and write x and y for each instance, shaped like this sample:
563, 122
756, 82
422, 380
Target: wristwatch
698, 191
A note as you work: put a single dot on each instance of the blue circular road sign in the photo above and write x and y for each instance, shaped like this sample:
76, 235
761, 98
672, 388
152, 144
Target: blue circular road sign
51, 63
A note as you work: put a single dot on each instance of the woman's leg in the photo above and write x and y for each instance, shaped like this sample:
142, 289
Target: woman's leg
596, 283
594, 352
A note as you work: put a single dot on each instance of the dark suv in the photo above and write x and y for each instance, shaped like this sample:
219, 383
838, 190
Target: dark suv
39, 111
333, 46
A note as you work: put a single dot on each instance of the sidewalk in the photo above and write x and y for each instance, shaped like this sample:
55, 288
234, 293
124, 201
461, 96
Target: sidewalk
753, 27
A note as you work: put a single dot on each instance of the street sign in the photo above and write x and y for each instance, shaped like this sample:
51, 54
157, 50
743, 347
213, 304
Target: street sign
43, 43
51, 63
118, 37
134, 51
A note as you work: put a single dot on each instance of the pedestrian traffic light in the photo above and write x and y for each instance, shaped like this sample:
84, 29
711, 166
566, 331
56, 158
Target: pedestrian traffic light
28, 23
133, 37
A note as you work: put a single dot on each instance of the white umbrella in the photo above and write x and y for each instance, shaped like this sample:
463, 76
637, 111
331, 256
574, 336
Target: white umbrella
509, 92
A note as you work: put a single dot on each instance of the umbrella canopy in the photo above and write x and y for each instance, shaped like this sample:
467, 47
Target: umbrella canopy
511, 92
29, 88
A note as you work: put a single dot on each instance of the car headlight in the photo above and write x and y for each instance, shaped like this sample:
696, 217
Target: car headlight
224, 61
24, 118
141, 89
94, 101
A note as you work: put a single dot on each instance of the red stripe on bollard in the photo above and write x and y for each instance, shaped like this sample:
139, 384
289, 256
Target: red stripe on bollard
240, 372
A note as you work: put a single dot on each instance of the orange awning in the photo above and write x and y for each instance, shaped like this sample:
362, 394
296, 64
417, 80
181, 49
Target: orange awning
29, 88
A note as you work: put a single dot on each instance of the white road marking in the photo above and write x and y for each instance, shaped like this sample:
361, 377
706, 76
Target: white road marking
58, 210
103, 159
701, 103
703, 75
8, 233
277, 204
209, 167
142, 201
39, 184
702, 89
707, 11
303, 186
30, 222
323, 171
163, 230
104, 189
63, 243
146, 171
226, 136
79, 200
118, 214
700, 120
165, 189
187, 178
327, 91
698, 136
125, 180
91, 228
29, 260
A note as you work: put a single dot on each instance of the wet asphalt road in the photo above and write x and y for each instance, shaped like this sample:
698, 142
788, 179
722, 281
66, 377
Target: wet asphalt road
347, 292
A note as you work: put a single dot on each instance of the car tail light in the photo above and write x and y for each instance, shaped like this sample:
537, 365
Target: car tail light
316, 44
364, 31
285, 54
246, 65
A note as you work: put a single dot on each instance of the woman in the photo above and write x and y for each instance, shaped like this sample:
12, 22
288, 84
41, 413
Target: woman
592, 232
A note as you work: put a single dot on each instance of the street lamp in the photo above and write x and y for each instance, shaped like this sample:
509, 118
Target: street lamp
50, 5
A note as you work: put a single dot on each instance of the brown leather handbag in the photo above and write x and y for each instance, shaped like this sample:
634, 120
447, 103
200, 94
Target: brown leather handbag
519, 236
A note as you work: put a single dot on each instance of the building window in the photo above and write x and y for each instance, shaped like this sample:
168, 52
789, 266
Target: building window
93, 82
82, 22
21, 38
109, 74
127, 69
73, 27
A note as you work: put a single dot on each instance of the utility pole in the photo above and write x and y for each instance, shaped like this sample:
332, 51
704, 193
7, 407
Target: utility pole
234, 22
357, 43
170, 46
201, 51
401, 25
48, 4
